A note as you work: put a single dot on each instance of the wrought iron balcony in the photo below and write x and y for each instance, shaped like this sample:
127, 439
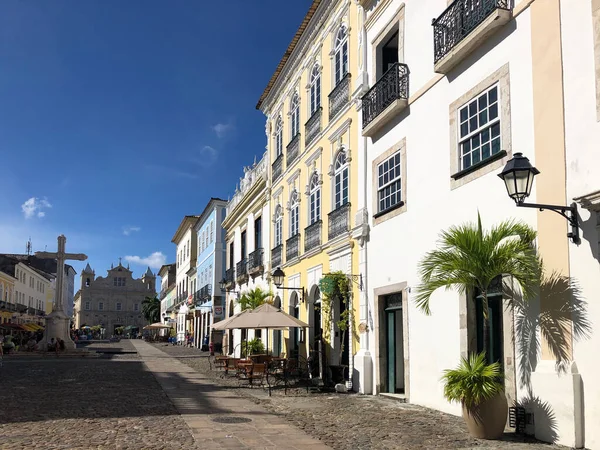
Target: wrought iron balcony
460, 19
292, 151
31, 311
255, 261
276, 255
392, 86
229, 275
312, 128
312, 236
277, 167
339, 97
205, 292
292, 247
241, 269
339, 221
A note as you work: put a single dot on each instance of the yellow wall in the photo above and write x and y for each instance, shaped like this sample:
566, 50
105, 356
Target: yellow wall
282, 188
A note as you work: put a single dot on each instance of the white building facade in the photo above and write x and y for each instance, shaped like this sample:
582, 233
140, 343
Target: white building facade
443, 110
247, 227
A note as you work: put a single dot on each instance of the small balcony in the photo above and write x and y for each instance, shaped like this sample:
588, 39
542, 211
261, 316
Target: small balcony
312, 236
31, 311
385, 99
241, 271
312, 128
339, 97
292, 151
277, 167
205, 292
255, 262
463, 26
292, 247
339, 221
276, 256
229, 277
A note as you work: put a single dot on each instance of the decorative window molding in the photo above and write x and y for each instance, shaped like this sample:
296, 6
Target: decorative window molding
293, 177
341, 175
278, 135
340, 54
294, 115
314, 90
381, 215
314, 157
294, 209
460, 177
314, 198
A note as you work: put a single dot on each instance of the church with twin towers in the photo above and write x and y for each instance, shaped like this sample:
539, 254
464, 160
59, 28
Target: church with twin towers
114, 300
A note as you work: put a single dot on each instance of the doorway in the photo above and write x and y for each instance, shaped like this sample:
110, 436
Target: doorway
394, 329
295, 333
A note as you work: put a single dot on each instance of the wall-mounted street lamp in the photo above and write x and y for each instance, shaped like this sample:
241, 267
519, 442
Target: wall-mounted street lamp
223, 286
518, 175
278, 277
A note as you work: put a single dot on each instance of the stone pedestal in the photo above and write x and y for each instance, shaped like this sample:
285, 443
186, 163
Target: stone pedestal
363, 365
58, 326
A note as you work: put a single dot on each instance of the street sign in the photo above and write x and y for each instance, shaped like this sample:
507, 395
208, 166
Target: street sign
218, 311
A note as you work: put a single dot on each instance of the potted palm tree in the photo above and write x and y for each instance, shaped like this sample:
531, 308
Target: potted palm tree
469, 258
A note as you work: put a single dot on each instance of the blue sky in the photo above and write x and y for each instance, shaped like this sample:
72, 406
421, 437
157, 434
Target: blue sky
119, 117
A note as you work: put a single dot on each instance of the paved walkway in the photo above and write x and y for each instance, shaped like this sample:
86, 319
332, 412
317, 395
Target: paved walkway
217, 417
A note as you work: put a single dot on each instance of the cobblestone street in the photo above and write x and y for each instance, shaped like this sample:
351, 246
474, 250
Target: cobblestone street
141, 398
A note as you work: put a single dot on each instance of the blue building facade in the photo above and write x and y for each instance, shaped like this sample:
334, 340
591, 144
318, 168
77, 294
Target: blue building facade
210, 270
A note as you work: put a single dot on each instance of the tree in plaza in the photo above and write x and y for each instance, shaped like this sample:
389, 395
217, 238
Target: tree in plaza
151, 309
254, 298
469, 258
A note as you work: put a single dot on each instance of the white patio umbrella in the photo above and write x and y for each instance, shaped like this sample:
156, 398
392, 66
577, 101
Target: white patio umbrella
156, 326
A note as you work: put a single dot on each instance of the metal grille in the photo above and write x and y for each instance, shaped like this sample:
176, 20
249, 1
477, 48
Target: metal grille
241, 268
292, 150
205, 291
313, 126
339, 221
339, 97
517, 419
393, 85
276, 255
229, 275
312, 236
255, 259
458, 20
292, 247
277, 167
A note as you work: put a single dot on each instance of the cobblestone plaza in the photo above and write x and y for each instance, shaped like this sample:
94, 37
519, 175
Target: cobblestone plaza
147, 398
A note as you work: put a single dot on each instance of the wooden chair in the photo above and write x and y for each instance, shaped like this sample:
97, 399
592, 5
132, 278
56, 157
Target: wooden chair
257, 374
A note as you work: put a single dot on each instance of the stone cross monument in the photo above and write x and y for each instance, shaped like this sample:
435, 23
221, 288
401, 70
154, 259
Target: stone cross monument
57, 322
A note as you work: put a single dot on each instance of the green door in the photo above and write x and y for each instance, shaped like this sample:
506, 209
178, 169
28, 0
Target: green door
391, 351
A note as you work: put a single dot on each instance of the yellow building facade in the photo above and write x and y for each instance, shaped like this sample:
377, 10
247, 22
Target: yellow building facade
7, 301
313, 129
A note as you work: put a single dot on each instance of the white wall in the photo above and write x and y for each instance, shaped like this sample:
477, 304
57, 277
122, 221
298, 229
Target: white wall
397, 245
583, 177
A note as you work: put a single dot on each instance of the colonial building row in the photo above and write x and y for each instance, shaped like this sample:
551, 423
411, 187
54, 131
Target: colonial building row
383, 129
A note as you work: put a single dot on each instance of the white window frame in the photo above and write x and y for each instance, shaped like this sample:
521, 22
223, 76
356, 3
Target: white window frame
87, 306
315, 90
478, 132
314, 201
119, 306
340, 54
340, 175
294, 213
294, 115
278, 226
393, 171
279, 137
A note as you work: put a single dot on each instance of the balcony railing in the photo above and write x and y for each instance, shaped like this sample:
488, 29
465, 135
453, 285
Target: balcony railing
31, 311
339, 221
312, 236
277, 167
458, 20
241, 269
276, 255
292, 246
255, 260
292, 151
312, 128
392, 86
339, 97
229, 274
205, 292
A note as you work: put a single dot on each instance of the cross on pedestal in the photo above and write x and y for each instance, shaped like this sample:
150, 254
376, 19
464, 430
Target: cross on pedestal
57, 322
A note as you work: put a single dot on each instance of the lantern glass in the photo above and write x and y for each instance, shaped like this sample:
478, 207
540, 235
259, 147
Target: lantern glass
222, 284
278, 277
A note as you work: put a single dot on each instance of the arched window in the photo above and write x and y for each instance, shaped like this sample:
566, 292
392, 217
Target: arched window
279, 136
278, 226
340, 188
314, 192
295, 115
315, 89
341, 54
294, 214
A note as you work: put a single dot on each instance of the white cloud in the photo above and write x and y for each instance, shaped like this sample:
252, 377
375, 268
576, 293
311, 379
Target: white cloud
206, 156
34, 207
222, 129
128, 230
154, 261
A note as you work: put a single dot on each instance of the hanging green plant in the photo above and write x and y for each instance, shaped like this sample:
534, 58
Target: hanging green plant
336, 286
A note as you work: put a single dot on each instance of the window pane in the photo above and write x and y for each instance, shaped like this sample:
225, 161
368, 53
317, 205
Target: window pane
485, 151
464, 129
464, 114
483, 117
473, 108
495, 146
493, 95
473, 123
466, 161
494, 111
495, 130
483, 102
